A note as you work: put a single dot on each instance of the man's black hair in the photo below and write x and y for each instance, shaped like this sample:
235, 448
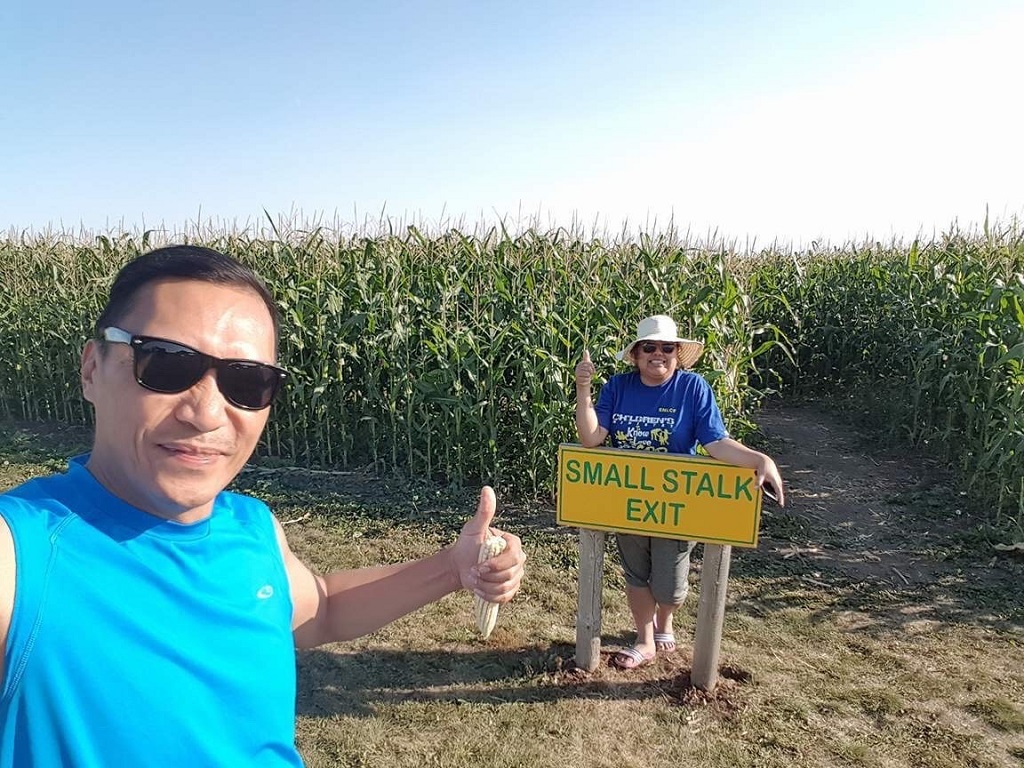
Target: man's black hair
180, 262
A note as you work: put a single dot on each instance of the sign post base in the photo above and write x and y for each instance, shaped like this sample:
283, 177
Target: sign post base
588, 613
714, 584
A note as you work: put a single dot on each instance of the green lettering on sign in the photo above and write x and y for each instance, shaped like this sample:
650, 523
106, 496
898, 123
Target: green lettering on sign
592, 473
633, 510
706, 487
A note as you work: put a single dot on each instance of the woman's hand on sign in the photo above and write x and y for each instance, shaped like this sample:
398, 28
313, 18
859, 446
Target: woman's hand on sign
770, 481
734, 452
585, 370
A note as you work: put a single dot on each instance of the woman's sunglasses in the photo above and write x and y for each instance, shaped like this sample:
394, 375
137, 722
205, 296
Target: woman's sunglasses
169, 367
667, 347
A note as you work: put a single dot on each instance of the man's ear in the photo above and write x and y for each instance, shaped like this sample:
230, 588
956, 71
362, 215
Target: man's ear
87, 370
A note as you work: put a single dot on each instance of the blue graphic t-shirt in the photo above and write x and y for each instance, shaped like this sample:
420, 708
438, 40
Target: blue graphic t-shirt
670, 418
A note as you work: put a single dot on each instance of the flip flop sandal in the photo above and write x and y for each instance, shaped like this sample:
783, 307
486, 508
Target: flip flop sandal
665, 641
630, 658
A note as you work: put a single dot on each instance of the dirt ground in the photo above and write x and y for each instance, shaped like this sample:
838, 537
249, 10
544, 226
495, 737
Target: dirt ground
875, 624
885, 532
892, 519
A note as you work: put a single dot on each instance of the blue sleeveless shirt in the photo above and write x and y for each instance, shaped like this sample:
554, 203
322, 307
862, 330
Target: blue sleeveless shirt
137, 641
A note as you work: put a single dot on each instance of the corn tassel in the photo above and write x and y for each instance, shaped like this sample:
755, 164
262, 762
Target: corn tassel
487, 613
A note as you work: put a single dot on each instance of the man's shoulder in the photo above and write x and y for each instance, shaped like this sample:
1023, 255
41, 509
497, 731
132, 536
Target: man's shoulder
41, 487
37, 507
33, 491
243, 506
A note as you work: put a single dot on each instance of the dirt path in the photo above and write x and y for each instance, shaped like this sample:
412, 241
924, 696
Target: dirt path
889, 521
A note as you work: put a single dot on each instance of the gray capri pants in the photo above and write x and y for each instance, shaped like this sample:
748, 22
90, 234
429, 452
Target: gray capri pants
663, 565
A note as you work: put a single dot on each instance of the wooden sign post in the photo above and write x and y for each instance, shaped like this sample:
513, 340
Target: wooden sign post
657, 494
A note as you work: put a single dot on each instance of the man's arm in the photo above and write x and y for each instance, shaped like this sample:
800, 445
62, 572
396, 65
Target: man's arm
7, 575
347, 604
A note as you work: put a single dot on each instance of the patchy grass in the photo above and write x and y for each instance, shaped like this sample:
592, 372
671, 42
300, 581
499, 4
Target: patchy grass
830, 656
1000, 713
28, 450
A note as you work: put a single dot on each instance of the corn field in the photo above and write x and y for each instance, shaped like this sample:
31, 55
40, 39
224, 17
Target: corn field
927, 341
450, 356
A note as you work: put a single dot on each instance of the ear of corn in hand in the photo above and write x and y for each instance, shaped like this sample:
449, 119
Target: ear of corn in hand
487, 613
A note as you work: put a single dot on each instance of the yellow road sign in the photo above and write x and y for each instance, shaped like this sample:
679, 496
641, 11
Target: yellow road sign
658, 494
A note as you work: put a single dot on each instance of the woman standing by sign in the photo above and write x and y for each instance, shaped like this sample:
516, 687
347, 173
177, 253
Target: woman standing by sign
659, 406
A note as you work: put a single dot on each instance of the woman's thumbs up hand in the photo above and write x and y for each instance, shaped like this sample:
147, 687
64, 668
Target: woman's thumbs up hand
585, 371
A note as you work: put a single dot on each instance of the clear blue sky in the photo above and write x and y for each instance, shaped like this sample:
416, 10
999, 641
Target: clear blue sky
790, 119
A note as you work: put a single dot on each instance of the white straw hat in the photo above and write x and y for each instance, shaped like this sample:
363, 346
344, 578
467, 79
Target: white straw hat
663, 328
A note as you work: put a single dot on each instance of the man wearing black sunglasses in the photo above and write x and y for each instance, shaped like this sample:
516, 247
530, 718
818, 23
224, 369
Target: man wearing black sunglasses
148, 617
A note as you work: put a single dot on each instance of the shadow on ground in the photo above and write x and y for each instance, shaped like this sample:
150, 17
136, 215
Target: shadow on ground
356, 684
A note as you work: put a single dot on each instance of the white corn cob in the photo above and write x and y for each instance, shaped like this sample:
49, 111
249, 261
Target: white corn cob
487, 613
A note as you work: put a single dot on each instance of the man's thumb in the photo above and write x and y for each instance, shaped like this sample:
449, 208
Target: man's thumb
481, 522
586, 355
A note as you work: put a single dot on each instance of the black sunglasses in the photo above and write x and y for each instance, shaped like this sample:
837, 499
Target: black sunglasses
667, 347
169, 367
